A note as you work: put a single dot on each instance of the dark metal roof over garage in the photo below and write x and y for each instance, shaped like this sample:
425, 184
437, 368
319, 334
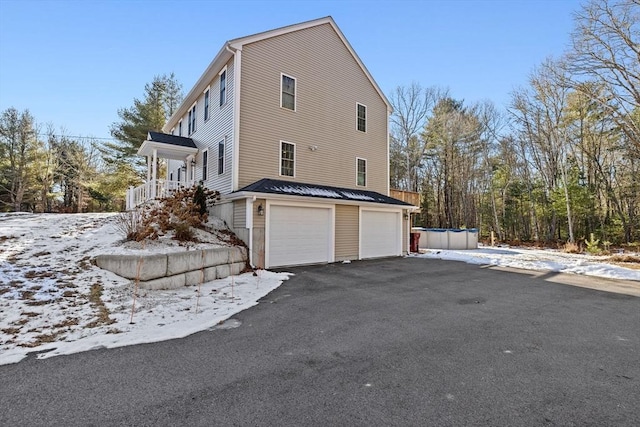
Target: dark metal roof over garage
274, 186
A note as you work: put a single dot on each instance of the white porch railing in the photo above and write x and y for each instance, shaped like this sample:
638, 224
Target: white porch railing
154, 189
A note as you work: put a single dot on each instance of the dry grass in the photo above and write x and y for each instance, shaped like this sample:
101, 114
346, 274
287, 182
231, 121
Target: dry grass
95, 297
626, 260
571, 248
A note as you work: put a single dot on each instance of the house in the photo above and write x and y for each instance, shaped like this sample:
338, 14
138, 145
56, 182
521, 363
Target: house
292, 130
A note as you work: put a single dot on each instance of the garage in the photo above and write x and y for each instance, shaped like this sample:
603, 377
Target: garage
299, 235
380, 233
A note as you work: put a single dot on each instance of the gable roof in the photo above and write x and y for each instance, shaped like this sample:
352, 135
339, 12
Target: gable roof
274, 186
228, 49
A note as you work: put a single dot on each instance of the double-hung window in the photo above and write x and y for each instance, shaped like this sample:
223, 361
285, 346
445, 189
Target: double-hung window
180, 128
287, 158
361, 166
223, 87
205, 164
221, 157
361, 117
206, 105
288, 92
192, 119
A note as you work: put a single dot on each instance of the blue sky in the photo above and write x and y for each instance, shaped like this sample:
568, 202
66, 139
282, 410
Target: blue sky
75, 63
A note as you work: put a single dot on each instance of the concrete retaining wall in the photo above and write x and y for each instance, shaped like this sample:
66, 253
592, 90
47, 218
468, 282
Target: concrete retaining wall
178, 269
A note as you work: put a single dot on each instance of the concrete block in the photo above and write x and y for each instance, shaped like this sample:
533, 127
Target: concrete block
151, 267
165, 283
236, 268
217, 256
237, 254
223, 271
180, 262
194, 277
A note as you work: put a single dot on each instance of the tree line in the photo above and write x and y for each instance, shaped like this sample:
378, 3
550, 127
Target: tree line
46, 170
563, 160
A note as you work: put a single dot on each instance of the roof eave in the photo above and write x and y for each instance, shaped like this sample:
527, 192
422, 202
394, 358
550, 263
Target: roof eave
319, 200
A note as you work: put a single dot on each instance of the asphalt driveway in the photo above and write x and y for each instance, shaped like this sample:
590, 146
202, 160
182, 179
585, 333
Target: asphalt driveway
389, 342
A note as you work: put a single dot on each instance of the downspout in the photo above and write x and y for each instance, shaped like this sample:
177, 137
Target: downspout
235, 160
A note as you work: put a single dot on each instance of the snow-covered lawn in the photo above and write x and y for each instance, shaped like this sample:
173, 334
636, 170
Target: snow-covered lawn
54, 301
539, 259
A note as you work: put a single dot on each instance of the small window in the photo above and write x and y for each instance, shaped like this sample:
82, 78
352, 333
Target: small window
205, 164
221, 157
287, 158
192, 119
179, 177
206, 105
288, 93
171, 176
173, 131
223, 87
362, 117
362, 172
180, 128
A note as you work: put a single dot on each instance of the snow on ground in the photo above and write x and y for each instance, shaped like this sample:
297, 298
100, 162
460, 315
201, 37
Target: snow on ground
538, 259
53, 299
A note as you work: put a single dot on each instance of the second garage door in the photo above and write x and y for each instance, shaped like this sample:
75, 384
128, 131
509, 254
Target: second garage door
299, 235
380, 234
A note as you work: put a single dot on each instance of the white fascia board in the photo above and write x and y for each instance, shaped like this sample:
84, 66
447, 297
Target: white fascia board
147, 148
205, 79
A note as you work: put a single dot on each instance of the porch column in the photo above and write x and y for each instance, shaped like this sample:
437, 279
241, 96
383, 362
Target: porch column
148, 169
154, 173
189, 180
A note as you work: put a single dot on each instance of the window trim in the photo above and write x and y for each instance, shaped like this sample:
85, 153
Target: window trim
222, 100
221, 162
207, 103
358, 172
295, 92
180, 127
192, 119
205, 164
280, 170
358, 104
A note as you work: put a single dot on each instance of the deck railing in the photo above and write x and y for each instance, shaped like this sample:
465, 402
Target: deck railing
151, 190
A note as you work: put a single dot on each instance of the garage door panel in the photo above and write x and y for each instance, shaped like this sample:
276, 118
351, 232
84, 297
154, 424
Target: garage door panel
380, 234
299, 235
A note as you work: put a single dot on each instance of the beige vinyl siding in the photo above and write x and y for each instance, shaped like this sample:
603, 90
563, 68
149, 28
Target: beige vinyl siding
208, 134
346, 236
329, 83
240, 213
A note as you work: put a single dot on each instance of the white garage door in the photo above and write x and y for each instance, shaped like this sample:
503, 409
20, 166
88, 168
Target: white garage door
380, 234
299, 235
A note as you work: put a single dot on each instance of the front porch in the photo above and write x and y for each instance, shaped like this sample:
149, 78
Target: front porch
163, 146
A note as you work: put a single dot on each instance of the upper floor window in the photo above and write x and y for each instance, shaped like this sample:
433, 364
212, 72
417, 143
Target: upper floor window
205, 164
287, 158
288, 92
173, 131
223, 87
180, 128
362, 117
192, 119
221, 157
361, 165
206, 105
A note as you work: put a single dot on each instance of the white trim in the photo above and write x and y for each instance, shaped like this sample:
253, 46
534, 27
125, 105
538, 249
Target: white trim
226, 86
295, 92
365, 172
235, 157
180, 127
194, 119
388, 155
267, 229
399, 213
365, 117
280, 158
